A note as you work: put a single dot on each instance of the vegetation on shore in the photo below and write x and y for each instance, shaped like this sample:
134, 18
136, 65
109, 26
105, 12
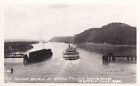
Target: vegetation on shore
18, 46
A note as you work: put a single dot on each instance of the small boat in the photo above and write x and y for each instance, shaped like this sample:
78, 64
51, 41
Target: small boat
71, 53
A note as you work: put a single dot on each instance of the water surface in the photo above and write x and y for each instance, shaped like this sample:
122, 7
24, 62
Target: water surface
88, 69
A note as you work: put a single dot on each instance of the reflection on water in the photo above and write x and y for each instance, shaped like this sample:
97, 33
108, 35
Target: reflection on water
89, 68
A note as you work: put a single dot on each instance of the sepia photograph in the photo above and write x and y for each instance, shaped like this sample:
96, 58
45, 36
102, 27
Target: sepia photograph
70, 43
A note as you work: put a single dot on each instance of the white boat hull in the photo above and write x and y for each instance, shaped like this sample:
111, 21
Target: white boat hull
71, 57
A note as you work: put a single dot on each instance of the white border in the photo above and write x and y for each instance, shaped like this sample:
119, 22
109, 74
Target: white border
3, 3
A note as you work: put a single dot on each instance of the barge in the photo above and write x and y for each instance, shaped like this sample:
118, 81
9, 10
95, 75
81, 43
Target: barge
37, 56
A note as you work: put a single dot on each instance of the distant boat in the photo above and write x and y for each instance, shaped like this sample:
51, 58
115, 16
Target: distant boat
71, 53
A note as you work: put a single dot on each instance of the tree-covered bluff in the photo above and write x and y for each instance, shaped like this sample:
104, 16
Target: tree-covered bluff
113, 33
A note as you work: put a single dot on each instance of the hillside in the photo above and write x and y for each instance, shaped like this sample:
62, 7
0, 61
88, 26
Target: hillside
62, 39
113, 33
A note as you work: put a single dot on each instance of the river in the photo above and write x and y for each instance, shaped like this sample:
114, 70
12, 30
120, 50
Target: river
88, 69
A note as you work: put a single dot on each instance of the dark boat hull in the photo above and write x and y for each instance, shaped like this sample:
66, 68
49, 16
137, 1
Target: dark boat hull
38, 56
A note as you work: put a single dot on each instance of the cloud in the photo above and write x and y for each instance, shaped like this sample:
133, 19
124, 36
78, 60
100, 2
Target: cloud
58, 6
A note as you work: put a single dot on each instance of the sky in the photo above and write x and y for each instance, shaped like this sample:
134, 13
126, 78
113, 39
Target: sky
44, 21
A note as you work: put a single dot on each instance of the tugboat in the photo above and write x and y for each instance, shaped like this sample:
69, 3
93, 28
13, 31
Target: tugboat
38, 56
71, 53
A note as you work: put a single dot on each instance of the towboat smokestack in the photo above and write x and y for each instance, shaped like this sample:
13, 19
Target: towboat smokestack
69, 45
